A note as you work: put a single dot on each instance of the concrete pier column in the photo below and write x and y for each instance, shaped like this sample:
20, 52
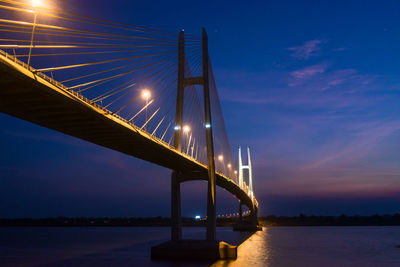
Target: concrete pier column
176, 228
240, 212
176, 222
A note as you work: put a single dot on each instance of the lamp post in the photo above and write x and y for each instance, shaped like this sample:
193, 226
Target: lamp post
221, 159
186, 130
192, 149
146, 94
35, 4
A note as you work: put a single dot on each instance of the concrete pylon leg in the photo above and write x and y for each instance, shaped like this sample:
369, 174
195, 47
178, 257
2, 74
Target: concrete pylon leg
176, 227
240, 212
253, 215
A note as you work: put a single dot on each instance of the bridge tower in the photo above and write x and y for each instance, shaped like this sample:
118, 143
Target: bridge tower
252, 224
176, 229
194, 249
242, 167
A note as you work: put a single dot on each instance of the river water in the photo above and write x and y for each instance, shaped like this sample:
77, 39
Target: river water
130, 246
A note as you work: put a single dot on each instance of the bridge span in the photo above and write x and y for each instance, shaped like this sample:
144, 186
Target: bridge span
37, 98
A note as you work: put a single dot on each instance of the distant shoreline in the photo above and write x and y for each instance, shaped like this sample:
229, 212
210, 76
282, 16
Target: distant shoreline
271, 220
343, 220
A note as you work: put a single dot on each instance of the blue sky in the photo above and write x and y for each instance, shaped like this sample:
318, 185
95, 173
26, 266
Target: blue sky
311, 87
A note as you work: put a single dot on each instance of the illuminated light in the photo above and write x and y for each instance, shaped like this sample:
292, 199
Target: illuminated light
177, 127
186, 128
36, 3
220, 157
207, 125
235, 172
197, 217
146, 94
229, 165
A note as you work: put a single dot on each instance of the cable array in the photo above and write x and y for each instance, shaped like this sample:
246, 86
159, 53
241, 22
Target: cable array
223, 154
129, 71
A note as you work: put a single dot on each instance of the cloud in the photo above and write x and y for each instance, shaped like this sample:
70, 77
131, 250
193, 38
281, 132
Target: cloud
315, 86
362, 142
301, 75
308, 49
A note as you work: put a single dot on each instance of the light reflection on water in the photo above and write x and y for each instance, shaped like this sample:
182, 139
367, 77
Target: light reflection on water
320, 246
253, 252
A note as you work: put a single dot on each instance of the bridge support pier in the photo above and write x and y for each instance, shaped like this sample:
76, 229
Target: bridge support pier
240, 212
248, 224
176, 222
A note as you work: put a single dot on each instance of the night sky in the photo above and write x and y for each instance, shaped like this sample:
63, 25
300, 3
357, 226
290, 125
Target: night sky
311, 87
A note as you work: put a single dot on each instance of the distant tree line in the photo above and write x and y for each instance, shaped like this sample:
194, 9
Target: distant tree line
271, 220
342, 220
91, 221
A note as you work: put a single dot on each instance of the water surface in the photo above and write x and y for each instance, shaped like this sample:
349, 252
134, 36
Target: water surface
130, 246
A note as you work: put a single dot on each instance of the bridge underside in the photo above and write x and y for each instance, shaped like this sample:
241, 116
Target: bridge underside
34, 99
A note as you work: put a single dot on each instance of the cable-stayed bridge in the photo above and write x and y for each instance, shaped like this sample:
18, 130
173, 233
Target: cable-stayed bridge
144, 92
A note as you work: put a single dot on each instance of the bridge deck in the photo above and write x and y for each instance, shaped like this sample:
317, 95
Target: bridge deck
36, 99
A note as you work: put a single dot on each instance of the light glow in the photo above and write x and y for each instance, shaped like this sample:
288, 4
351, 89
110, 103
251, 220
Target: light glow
146, 94
229, 165
208, 125
197, 217
220, 157
186, 128
36, 3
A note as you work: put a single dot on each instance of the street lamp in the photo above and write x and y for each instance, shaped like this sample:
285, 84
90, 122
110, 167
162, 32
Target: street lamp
221, 158
186, 129
35, 4
194, 142
146, 94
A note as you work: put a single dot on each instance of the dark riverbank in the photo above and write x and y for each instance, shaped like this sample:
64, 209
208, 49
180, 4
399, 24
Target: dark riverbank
272, 220
343, 220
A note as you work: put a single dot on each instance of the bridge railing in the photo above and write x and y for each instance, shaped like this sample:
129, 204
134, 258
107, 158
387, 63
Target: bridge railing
80, 96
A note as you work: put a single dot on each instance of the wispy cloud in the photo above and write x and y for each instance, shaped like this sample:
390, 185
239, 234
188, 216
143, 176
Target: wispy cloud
315, 86
362, 142
351, 161
308, 49
319, 78
301, 75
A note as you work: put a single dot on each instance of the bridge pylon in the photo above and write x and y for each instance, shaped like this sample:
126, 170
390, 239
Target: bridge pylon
194, 249
176, 223
176, 229
250, 223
